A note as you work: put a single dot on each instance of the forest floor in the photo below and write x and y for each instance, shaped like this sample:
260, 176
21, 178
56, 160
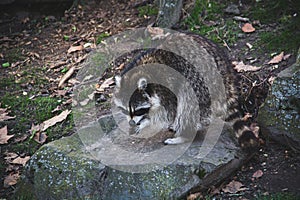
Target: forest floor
40, 44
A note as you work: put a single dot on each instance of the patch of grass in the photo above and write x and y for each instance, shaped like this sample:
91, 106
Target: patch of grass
279, 41
29, 111
205, 19
279, 196
101, 37
285, 16
148, 10
7, 82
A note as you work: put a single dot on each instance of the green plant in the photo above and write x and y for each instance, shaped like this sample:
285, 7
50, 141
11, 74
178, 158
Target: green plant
101, 37
148, 10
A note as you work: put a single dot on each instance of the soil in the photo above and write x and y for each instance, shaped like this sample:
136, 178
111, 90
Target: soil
40, 39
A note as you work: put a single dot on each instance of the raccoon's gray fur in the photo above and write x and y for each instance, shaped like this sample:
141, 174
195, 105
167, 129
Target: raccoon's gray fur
154, 105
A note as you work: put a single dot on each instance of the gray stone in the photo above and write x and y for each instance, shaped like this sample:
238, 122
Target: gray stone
280, 114
64, 169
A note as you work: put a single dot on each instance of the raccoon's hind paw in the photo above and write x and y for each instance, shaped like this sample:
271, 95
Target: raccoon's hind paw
176, 140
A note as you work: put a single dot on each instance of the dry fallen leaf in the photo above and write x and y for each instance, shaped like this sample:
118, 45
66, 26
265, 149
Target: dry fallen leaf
157, 33
40, 137
276, 59
75, 48
9, 156
271, 79
3, 135
241, 67
20, 161
285, 57
11, 179
50, 122
66, 76
58, 64
4, 114
248, 28
194, 196
105, 84
121, 66
234, 187
257, 174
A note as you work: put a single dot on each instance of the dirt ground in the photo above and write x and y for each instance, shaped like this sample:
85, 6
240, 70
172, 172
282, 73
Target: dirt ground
34, 38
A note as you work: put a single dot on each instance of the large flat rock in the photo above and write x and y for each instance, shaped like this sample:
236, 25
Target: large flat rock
68, 169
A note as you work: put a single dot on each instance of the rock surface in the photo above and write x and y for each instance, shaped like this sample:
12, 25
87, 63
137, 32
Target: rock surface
65, 169
280, 114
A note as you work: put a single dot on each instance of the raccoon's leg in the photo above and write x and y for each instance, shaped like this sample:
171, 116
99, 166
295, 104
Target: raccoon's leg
138, 127
176, 140
246, 138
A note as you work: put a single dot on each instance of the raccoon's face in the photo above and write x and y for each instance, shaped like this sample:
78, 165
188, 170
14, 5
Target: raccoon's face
141, 104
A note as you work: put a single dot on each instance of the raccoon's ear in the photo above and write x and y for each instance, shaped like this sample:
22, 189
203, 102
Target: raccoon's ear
118, 81
142, 84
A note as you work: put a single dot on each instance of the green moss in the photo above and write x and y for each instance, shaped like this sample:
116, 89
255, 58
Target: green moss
148, 10
279, 196
101, 37
205, 19
285, 35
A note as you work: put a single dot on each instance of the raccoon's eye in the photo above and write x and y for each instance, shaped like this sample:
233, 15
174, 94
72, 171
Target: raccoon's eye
141, 111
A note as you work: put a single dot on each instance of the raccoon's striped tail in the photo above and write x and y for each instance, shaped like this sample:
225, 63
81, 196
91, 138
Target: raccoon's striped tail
248, 140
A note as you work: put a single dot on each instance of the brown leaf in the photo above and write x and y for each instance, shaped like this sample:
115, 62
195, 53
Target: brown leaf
234, 187
4, 114
271, 79
285, 57
3, 135
40, 137
10, 156
248, 28
50, 122
11, 179
156, 32
21, 138
121, 66
58, 64
66, 76
194, 196
241, 67
20, 161
257, 174
106, 84
276, 59
75, 48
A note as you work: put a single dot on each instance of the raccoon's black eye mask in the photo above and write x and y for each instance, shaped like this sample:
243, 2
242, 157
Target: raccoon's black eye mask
141, 111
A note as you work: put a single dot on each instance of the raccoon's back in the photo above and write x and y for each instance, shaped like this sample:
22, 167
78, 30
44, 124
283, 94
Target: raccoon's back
180, 57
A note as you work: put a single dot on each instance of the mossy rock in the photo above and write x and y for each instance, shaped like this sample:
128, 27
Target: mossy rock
63, 169
280, 114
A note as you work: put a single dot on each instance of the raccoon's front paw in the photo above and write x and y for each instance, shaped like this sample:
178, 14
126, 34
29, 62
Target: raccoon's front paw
177, 140
134, 130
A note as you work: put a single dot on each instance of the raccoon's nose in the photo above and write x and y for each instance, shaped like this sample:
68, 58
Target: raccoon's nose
132, 122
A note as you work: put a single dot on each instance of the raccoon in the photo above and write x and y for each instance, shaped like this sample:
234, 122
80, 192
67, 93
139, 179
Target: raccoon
181, 107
